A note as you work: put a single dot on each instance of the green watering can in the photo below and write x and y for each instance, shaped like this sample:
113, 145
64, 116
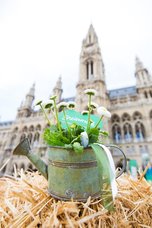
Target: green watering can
70, 175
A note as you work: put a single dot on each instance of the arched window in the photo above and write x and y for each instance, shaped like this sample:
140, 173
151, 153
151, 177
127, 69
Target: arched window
115, 118
30, 136
38, 127
89, 38
137, 116
24, 129
140, 131
126, 117
127, 129
150, 93
23, 136
91, 67
87, 70
36, 139
31, 128
116, 133
146, 95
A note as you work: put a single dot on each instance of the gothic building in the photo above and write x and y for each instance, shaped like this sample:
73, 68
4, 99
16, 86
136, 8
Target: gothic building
130, 126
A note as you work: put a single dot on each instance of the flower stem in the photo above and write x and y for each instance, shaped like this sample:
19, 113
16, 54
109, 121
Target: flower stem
45, 114
57, 118
75, 139
88, 125
99, 121
69, 130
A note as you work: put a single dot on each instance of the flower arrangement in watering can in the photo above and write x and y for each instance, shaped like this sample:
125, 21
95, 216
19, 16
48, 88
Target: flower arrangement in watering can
79, 165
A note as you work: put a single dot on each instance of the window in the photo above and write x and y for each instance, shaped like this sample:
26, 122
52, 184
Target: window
87, 66
145, 93
91, 68
140, 131
127, 132
116, 132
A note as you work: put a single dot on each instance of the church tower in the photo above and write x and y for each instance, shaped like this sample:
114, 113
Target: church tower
143, 80
57, 90
142, 75
26, 106
91, 72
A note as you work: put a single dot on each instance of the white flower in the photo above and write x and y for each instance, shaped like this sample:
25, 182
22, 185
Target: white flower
84, 139
85, 112
62, 105
90, 91
102, 111
71, 105
49, 105
93, 105
53, 97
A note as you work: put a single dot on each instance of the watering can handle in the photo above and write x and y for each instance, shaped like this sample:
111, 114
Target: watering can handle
125, 159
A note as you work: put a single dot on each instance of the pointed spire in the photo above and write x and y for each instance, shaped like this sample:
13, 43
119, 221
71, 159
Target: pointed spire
91, 37
138, 64
32, 90
57, 90
59, 83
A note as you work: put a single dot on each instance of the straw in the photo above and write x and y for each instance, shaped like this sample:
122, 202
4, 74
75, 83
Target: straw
24, 202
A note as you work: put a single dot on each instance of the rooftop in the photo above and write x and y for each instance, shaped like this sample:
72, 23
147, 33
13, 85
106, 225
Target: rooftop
128, 91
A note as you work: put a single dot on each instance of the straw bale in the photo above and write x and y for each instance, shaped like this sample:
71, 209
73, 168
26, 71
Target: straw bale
25, 202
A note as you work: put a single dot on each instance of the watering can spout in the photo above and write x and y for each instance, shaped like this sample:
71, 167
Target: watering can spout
23, 148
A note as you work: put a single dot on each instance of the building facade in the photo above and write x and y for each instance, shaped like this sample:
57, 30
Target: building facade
130, 126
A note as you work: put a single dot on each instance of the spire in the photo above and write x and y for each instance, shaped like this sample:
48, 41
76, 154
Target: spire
143, 78
138, 64
58, 89
25, 109
32, 90
91, 37
30, 97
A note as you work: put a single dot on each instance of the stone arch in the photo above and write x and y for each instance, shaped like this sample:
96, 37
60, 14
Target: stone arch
31, 128
115, 118
126, 117
116, 133
137, 116
38, 127
24, 129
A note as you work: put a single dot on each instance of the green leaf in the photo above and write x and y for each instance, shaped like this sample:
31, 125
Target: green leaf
68, 146
104, 133
55, 138
93, 135
77, 147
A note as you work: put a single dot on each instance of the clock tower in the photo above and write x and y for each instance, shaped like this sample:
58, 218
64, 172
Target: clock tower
91, 72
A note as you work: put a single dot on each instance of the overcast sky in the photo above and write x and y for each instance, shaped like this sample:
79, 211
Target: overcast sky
40, 40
